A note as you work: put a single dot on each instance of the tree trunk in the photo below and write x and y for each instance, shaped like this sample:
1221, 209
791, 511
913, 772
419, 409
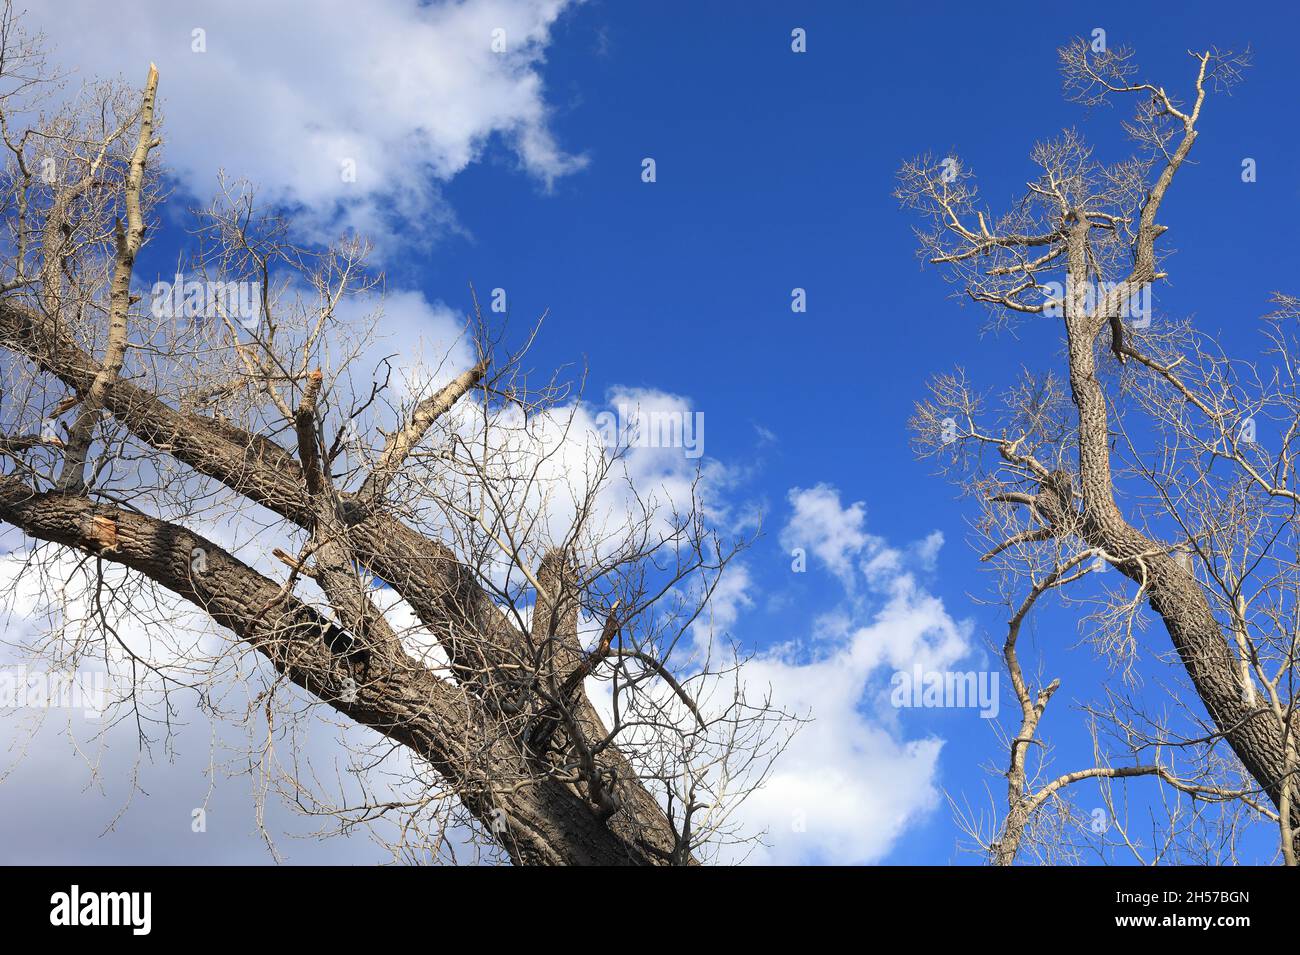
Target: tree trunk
546, 821
1172, 592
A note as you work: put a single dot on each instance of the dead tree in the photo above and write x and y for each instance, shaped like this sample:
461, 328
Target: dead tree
1150, 411
131, 421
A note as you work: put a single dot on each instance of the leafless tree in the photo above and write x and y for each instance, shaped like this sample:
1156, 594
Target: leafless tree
459, 562
1150, 413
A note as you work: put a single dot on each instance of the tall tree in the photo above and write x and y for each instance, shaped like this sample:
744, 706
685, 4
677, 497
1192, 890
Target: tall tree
1147, 411
458, 563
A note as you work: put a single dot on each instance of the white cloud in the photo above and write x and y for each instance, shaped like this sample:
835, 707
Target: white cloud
820, 524
850, 782
286, 92
566, 450
927, 551
729, 599
426, 343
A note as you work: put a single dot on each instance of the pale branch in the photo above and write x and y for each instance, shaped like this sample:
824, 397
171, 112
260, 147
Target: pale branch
401, 442
129, 239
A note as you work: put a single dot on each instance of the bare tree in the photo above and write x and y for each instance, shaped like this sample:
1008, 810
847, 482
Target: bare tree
459, 563
1150, 412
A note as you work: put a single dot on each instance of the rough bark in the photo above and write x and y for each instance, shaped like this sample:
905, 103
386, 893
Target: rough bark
1171, 591
564, 822
547, 821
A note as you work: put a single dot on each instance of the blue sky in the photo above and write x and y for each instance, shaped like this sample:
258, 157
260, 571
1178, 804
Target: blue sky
775, 171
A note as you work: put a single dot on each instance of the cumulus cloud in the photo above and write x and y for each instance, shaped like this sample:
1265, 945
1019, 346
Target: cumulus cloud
730, 598
425, 342
851, 781
353, 113
819, 523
